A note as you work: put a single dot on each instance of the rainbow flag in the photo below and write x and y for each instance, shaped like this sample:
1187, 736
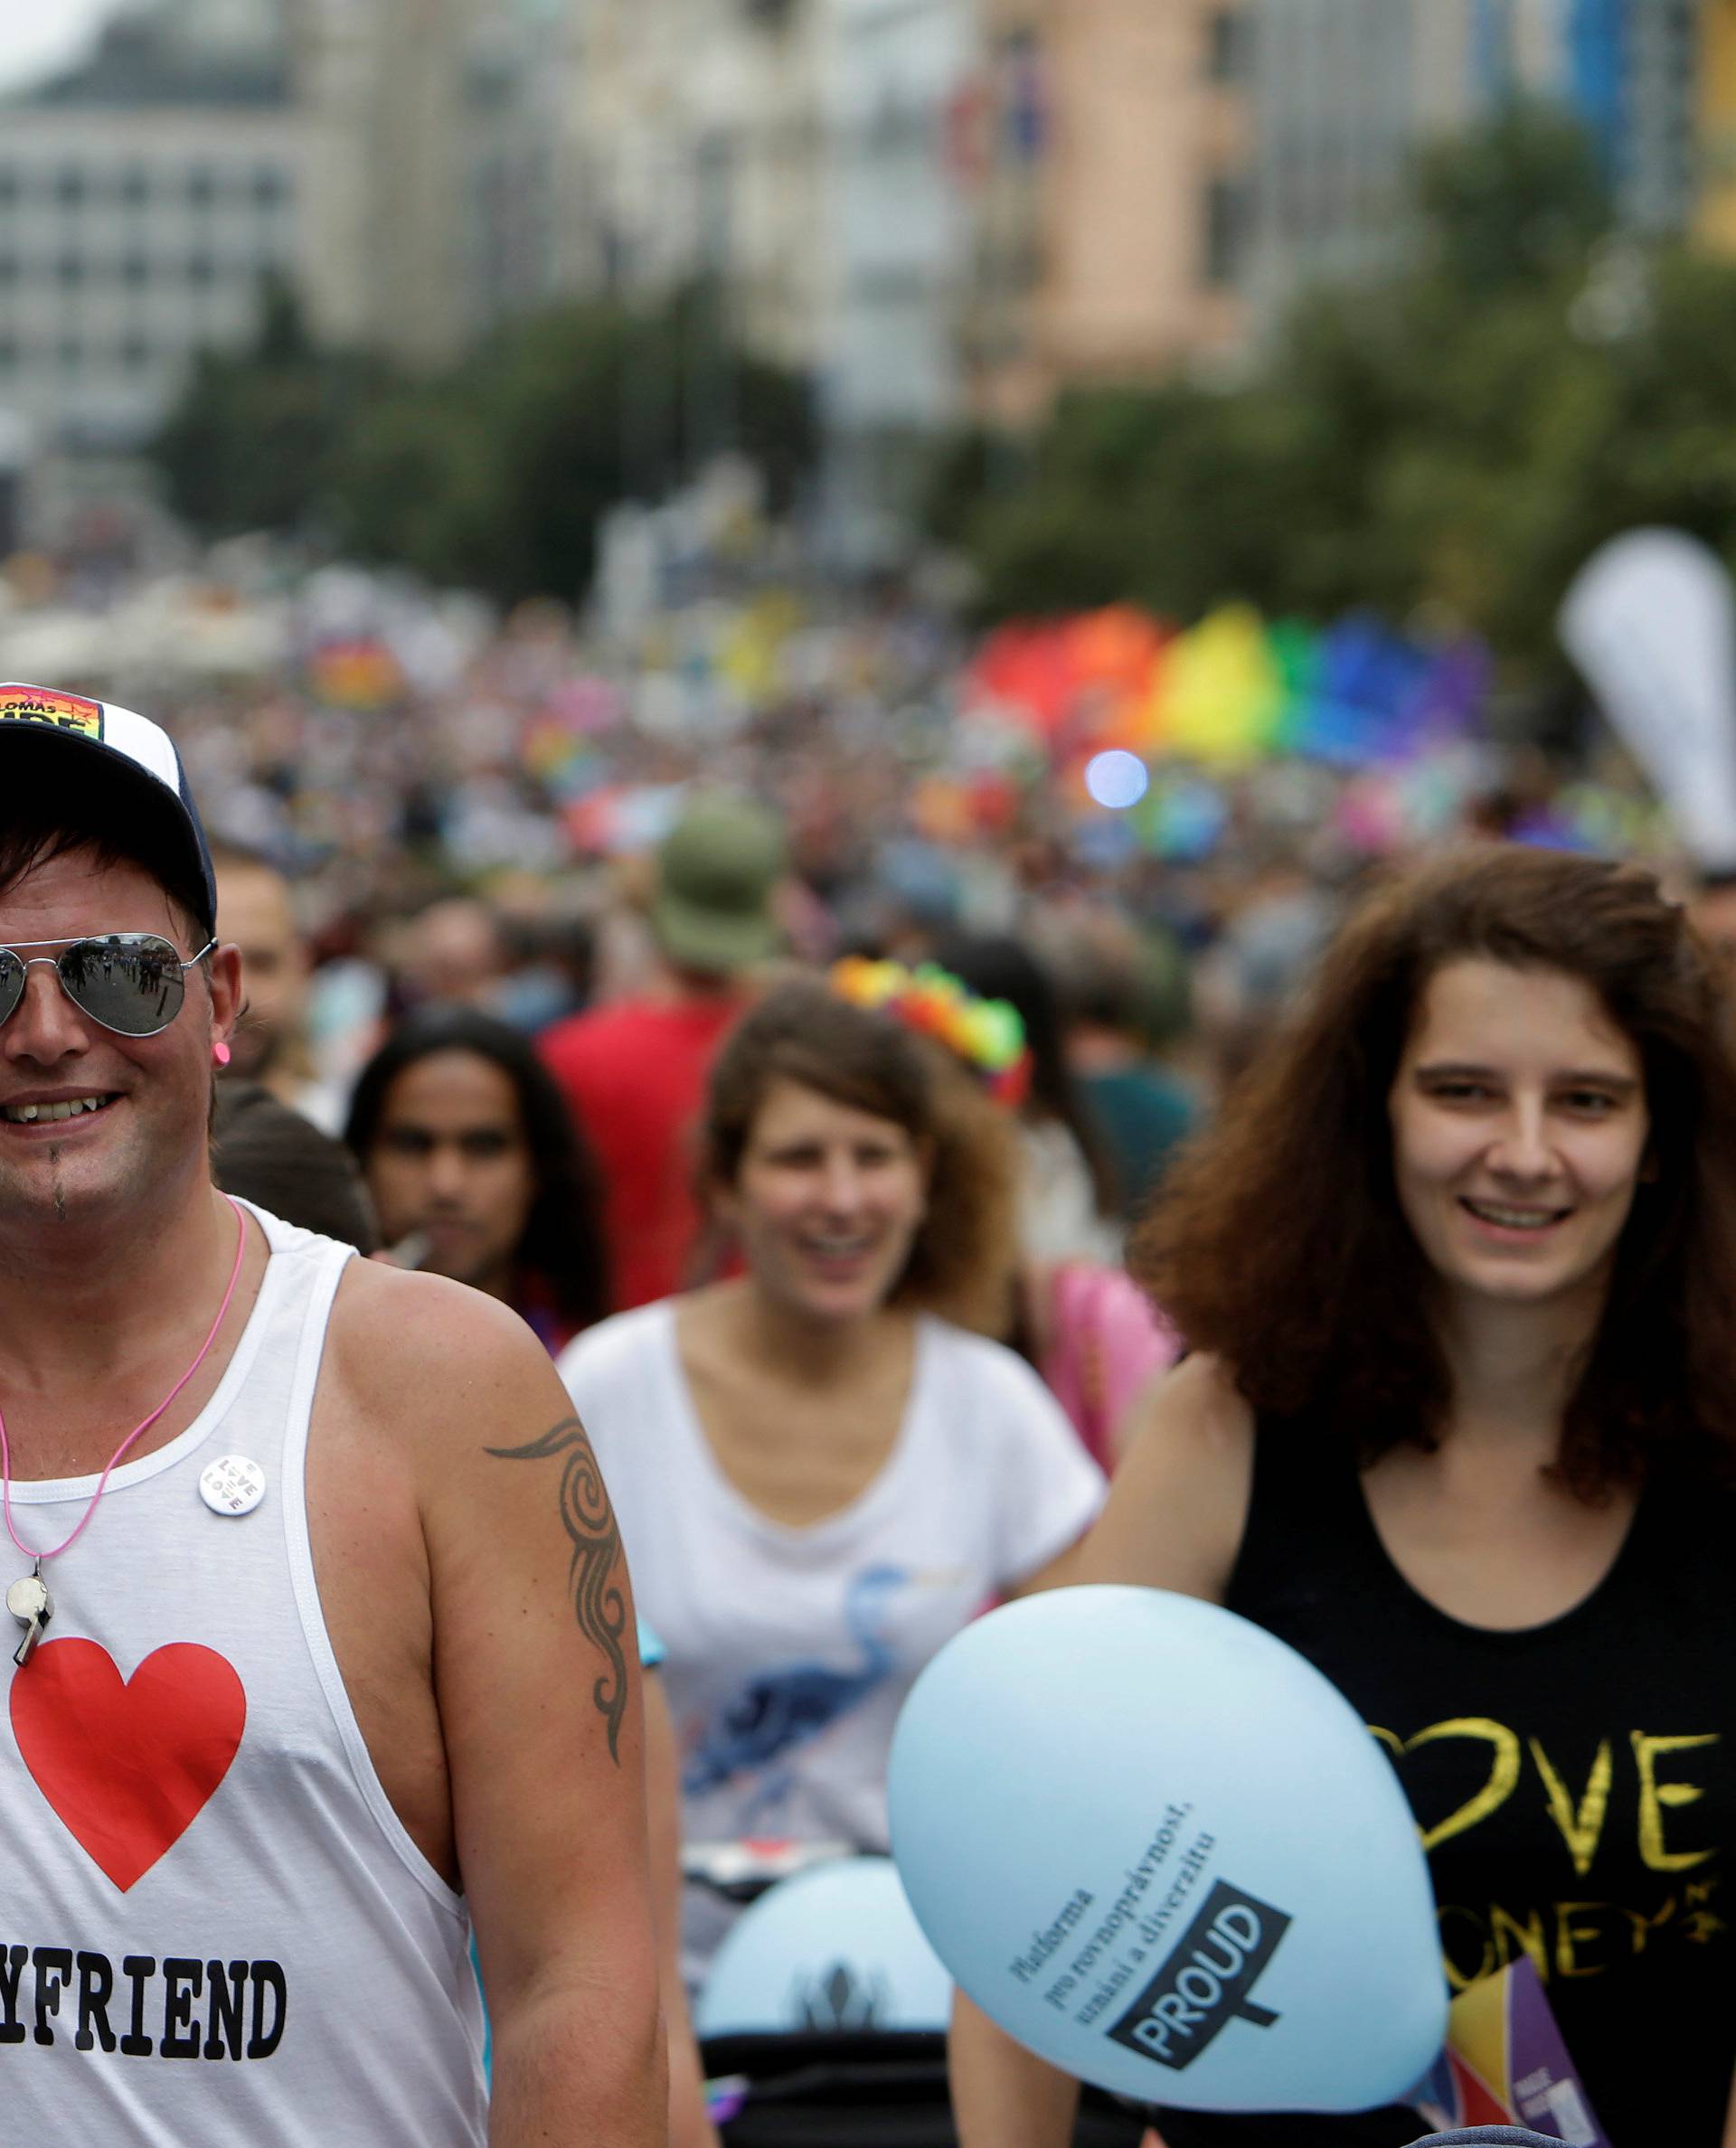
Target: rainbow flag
1231, 690
1504, 2064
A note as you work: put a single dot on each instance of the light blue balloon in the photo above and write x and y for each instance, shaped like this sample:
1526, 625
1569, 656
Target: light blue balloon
1159, 1849
833, 1948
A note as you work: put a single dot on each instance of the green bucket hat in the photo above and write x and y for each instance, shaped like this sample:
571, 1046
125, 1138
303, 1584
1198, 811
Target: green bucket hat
717, 871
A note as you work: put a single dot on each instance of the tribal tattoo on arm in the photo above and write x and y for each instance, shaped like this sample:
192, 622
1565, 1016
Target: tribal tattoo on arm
598, 1596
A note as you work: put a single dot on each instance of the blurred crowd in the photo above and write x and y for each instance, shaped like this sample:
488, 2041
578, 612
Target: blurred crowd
566, 951
468, 810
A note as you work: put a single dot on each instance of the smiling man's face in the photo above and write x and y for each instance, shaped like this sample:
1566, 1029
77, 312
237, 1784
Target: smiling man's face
151, 1094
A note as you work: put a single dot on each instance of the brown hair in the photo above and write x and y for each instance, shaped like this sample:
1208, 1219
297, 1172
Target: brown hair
1278, 1242
44, 817
274, 1157
803, 1032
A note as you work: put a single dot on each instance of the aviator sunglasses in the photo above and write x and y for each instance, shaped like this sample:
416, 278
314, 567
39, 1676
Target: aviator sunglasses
132, 983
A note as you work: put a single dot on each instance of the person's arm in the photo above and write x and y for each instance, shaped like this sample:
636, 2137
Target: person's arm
1048, 1490
536, 1677
689, 2126
1174, 1520
1003, 2096
1057, 1573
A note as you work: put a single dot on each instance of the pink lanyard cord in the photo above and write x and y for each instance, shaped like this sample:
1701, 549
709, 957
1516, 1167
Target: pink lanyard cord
143, 1426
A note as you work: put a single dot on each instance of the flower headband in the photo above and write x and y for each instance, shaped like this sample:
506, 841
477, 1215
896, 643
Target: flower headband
987, 1034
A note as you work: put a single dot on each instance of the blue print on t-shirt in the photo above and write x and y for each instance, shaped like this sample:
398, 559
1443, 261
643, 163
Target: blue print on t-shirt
787, 1706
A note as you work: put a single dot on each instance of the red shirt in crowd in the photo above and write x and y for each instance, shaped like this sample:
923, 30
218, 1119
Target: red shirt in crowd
633, 1076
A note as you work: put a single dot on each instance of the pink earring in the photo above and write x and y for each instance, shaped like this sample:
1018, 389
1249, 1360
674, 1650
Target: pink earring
219, 1053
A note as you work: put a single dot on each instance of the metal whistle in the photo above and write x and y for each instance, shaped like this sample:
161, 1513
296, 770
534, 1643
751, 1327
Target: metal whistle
32, 1605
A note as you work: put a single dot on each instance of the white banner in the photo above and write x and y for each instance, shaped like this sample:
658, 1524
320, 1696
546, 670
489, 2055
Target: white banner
1650, 620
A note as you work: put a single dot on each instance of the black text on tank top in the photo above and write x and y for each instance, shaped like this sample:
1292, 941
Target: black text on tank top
1575, 1782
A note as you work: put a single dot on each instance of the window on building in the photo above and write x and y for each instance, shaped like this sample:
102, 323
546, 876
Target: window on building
8, 185
201, 185
1226, 223
1022, 91
71, 353
135, 353
201, 268
135, 270
70, 186
8, 269
1226, 56
70, 269
271, 186
8, 353
135, 184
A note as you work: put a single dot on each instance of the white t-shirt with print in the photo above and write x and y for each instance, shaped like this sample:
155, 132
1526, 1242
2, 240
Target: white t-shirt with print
790, 1651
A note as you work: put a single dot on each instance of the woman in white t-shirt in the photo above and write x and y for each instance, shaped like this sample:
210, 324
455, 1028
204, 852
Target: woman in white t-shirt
818, 1479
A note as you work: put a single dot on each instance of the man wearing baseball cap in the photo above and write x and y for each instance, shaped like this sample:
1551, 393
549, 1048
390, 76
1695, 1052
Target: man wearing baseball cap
322, 1629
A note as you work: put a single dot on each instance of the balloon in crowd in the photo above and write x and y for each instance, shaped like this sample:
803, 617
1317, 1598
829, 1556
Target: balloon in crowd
1159, 1849
836, 1947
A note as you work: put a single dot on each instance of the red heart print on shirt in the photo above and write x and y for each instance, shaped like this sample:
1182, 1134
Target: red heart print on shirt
128, 1767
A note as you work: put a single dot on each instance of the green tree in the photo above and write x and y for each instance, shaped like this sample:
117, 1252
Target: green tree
496, 474
1461, 433
253, 439
1512, 203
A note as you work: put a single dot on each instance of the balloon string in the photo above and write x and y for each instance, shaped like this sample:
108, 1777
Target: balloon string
144, 1424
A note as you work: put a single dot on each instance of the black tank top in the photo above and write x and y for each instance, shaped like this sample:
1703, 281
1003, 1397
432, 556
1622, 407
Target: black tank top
1576, 1782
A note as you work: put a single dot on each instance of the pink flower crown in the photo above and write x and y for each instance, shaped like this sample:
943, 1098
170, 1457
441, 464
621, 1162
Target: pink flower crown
989, 1035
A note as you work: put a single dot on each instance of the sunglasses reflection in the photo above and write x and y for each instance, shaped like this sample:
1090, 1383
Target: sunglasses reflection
131, 983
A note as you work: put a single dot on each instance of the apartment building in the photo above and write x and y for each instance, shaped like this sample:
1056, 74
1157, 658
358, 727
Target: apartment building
402, 164
143, 200
701, 155
1111, 204
1345, 93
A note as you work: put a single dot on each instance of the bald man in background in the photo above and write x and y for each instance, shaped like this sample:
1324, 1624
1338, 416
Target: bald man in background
255, 910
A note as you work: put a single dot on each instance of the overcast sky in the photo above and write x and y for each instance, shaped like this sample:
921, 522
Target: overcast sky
35, 39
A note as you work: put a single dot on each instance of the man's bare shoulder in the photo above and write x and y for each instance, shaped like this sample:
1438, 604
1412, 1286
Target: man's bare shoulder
422, 1359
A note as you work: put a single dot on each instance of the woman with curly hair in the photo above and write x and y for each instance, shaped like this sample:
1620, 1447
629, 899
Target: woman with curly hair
820, 1477
1458, 1266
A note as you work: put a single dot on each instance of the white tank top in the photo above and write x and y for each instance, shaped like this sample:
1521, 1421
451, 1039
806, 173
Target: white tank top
213, 1929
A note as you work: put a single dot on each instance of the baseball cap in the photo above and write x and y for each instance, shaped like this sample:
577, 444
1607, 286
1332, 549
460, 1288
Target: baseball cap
61, 731
717, 869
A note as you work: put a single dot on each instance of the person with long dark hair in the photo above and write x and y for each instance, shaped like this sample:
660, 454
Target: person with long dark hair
1458, 1265
468, 1149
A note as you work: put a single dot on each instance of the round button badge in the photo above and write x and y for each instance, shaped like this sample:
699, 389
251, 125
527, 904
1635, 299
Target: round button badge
232, 1485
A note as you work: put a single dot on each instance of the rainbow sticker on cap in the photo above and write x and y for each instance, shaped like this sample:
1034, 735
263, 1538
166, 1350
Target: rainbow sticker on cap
60, 711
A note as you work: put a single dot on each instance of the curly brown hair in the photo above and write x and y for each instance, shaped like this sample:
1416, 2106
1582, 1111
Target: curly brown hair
803, 1032
1278, 1243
